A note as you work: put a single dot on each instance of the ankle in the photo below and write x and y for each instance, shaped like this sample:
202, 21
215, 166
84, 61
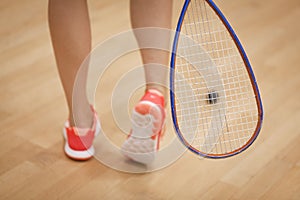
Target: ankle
82, 119
158, 89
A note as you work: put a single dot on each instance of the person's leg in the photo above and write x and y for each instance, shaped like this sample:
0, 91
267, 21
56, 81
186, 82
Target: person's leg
148, 116
156, 14
71, 38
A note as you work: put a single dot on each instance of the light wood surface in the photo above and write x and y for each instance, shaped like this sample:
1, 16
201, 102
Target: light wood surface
33, 109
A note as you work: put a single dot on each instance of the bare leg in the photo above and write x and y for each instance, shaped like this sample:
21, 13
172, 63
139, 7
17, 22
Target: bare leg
71, 38
147, 16
153, 13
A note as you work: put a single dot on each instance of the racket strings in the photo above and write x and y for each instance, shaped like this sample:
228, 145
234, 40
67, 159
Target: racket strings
207, 62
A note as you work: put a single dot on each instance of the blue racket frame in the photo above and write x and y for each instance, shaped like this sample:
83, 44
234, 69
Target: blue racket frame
249, 69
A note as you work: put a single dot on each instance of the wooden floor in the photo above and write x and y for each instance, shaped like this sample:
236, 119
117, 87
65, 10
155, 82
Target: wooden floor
32, 112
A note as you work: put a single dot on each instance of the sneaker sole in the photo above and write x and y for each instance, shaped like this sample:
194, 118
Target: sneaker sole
145, 149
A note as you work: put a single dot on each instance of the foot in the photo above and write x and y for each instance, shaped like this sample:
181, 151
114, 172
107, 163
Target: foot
79, 141
148, 119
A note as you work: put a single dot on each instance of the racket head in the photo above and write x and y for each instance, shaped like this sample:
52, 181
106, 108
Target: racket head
215, 101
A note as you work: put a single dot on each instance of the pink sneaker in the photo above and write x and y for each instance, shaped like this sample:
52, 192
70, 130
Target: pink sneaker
79, 141
148, 120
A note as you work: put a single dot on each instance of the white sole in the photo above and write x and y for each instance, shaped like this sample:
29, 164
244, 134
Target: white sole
140, 157
141, 148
